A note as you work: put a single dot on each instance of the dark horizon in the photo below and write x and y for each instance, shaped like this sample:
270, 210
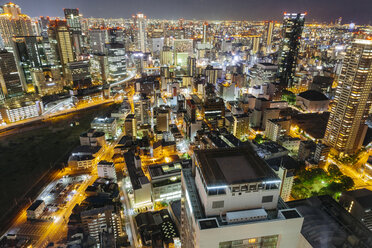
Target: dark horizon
358, 12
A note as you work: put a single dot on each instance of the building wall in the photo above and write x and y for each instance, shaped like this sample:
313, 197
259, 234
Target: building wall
233, 201
289, 237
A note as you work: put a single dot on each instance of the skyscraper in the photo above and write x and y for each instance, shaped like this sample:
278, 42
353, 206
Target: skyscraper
191, 66
255, 44
97, 40
30, 54
73, 21
293, 24
10, 82
61, 43
140, 24
205, 32
116, 60
269, 34
14, 23
346, 127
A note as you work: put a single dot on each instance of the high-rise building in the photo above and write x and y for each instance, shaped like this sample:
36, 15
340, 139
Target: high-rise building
97, 40
269, 34
293, 24
346, 127
205, 32
14, 23
61, 42
256, 44
73, 22
230, 198
140, 25
10, 82
30, 54
191, 66
44, 23
78, 73
116, 61
73, 19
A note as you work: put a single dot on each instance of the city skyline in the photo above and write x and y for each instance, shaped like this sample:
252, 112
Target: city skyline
207, 9
179, 132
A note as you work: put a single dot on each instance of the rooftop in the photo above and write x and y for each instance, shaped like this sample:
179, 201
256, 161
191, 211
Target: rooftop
327, 224
313, 95
106, 120
362, 196
232, 166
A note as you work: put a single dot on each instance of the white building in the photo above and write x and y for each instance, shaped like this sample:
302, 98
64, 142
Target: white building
231, 199
106, 125
106, 170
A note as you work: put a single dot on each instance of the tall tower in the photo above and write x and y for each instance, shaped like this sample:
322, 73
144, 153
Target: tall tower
140, 23
205, 32
14, 23
293, 24
73, 21
61, 42
255, 44
269, 34
346, 127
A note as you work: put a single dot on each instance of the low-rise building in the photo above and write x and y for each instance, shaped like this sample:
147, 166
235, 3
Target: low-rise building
106, 170
106, 125
93, 138
166, 180
36, 209
312, 101
85, 157
276, 128
17, 109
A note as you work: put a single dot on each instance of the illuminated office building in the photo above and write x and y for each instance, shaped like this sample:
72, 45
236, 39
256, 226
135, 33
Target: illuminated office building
43, 25
255, 44
14, 23
30, 54
140, 25
116, 61
191, 66
269, 34
73, 22
78, 73
61, 42
10, 82
97, 40
231, 198
293, 24
346, 127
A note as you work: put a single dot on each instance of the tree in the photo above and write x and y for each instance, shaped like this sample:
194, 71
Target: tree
288, 96
259, 138
334, 171
346, 182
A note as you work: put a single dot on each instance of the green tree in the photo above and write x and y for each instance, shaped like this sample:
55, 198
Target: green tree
334, 171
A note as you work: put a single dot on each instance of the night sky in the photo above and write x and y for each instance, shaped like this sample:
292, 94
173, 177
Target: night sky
358, 11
